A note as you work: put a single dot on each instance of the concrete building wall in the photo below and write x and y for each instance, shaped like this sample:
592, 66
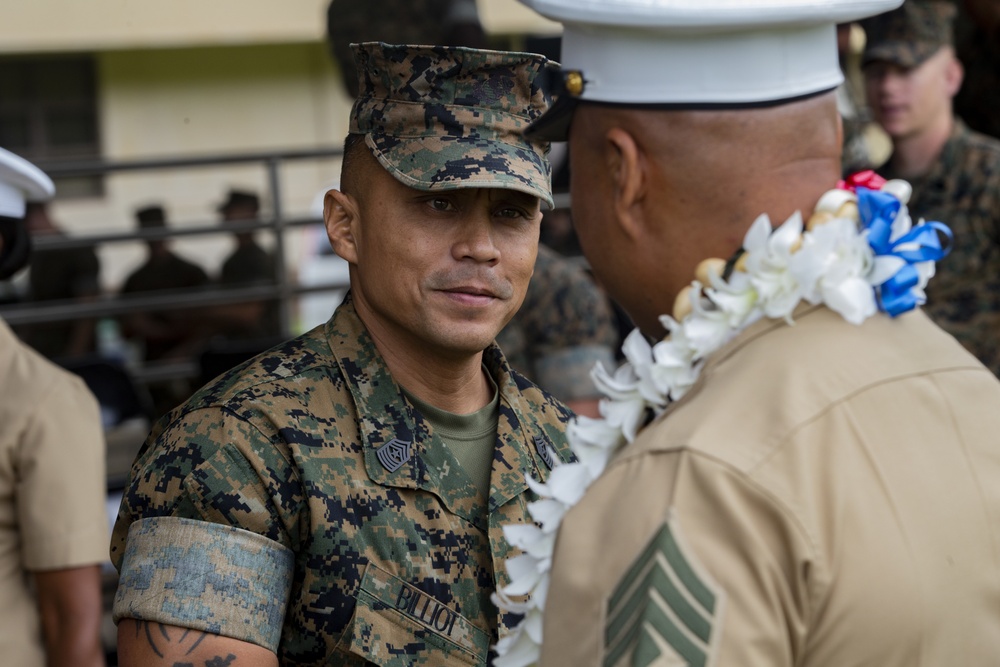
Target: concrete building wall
28, 26
198, 102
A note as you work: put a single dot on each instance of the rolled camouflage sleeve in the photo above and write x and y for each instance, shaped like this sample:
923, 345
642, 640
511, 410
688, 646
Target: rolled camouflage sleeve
200, 575
202, 538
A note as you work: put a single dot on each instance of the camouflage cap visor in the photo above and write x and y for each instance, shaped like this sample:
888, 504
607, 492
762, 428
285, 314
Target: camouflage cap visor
449, 163
903, 54
909, 35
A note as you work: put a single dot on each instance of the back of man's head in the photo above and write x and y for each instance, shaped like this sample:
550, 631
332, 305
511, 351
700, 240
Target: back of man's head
688, 119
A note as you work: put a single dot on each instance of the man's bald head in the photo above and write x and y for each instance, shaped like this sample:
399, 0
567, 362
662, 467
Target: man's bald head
686, 185
729, 164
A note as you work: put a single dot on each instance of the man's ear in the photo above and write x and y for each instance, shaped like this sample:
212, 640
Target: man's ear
341, 216
627, 167
954, 75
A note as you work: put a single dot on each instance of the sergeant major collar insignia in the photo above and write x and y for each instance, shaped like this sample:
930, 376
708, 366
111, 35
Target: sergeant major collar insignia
542, 447
393, 454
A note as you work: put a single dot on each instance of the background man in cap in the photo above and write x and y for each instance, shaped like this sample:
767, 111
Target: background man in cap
167, 333
57, 274
911, 76
819, 494
53, 526
339, 499
248, 264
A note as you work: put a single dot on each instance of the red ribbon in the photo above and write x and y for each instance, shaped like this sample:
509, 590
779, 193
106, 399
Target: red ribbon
865, 179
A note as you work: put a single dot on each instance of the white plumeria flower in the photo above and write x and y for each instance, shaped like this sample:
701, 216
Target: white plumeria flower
596, 440
737, 298
567, 482
705, 329
834, 265
768, 255
518, 649
639, 354
623, 384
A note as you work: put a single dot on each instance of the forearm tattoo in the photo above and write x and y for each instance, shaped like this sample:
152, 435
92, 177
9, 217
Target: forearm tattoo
159, 637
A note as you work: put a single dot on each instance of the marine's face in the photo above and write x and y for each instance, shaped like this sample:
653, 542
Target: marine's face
441, 270
906, 102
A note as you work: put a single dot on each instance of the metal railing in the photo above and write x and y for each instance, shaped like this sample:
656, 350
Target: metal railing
282, 289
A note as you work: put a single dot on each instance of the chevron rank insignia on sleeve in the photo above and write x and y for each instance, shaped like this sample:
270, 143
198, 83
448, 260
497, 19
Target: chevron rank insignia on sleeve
665, 610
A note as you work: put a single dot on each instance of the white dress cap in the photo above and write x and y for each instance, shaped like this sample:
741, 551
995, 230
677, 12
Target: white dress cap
20, 182
702, 53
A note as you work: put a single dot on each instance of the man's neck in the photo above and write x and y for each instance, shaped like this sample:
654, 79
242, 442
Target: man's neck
451, 382
914, 155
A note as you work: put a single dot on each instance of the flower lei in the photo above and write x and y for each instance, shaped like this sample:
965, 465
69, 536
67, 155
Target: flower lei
858, 253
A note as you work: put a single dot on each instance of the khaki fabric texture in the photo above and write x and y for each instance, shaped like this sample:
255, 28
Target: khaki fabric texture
909, 35
442, 118
287, 447
52, 487
962, 190
837, 490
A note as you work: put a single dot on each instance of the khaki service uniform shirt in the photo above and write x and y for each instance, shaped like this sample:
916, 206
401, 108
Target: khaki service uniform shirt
826, 495
52, 487
301, 503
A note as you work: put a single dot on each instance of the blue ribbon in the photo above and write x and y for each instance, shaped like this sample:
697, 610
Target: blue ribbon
877, 211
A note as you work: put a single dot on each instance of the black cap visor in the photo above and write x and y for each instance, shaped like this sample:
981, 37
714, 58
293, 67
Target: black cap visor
553, 125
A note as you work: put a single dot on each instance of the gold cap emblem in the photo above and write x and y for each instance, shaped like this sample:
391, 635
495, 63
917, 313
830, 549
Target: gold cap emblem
574, 83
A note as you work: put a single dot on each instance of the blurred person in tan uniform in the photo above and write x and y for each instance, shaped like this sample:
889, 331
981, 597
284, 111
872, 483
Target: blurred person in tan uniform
53, 526
824, 494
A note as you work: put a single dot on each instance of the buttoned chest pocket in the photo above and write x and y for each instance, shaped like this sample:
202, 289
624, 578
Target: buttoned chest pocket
398, 625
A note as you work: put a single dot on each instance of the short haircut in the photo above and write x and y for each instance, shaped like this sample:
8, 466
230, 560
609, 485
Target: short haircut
350, 164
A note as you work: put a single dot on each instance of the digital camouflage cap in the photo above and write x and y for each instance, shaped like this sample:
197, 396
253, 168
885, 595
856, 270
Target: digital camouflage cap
443, 118
909, 35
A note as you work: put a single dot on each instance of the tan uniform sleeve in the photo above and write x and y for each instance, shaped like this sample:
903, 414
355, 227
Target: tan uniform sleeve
61, 487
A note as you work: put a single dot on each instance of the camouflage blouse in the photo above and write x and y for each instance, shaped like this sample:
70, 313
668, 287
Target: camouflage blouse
300, 503
962, 190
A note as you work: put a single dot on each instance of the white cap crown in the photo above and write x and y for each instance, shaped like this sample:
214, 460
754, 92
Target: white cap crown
21, 182
703, 52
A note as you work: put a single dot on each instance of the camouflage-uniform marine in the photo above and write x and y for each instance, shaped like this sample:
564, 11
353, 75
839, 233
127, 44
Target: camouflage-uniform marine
909, 35
963, 189
306, 471
301, 502
563, 328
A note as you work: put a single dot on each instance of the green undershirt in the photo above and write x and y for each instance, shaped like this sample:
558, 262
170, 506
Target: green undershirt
471, 438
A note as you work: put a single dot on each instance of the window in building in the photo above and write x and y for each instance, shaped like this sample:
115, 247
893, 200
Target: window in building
48, 113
